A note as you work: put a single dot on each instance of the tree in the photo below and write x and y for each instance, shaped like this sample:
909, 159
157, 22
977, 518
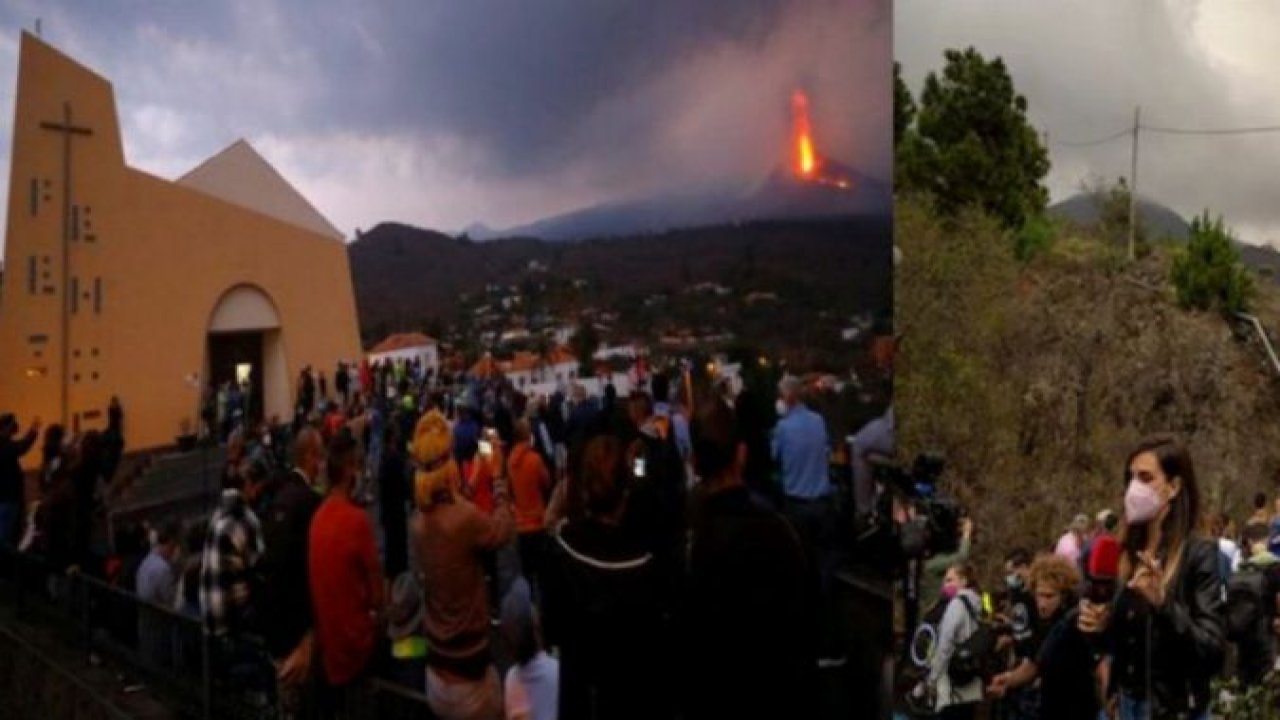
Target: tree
971, 144
904, 106
584, 343
1207, 273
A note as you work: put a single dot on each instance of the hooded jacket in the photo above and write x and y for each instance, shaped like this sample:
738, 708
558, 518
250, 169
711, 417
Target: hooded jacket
606, 612
957, 625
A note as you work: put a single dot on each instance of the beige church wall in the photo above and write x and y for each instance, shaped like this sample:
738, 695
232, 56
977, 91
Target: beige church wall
191, 249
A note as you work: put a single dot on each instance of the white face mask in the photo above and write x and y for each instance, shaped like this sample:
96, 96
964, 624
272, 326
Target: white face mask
781, 407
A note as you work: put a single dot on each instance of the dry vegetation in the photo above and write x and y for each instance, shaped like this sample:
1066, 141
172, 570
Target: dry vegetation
1035, 379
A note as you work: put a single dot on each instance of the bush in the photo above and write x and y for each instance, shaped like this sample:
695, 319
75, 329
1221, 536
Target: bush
1207, 273
1034, 238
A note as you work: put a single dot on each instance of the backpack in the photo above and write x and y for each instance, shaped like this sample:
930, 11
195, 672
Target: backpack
1246, 609
975, 655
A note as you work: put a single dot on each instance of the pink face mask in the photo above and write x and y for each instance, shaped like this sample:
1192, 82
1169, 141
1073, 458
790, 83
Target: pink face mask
949, 591
1141, 503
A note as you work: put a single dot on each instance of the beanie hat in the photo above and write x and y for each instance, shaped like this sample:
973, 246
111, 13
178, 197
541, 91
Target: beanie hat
432, 450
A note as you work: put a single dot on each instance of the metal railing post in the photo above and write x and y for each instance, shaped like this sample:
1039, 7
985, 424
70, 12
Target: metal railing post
206, 675
85, 624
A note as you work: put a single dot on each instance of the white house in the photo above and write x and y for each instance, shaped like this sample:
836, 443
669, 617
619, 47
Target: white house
561, 365
563, 334
406, 346
514, 335
524, 370
616, 351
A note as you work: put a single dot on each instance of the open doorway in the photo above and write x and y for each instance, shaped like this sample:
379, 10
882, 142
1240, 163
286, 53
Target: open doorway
237, 358
245, 346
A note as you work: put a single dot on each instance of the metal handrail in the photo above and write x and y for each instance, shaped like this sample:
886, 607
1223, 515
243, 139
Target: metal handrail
89, 590
101, 700
1266, 340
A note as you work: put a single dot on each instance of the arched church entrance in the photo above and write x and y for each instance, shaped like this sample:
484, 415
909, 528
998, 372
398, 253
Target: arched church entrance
245, 348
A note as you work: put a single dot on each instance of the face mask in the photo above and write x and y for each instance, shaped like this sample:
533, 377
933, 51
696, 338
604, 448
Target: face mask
949, 591
781, 407
1141, 503
1013, 582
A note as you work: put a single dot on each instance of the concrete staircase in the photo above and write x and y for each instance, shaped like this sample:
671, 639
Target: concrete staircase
170, 486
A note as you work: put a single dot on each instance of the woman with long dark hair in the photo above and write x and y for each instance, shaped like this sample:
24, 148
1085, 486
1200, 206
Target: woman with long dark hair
1164, 629
605, 607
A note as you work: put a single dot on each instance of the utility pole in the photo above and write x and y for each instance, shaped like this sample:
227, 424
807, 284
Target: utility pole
1133, 185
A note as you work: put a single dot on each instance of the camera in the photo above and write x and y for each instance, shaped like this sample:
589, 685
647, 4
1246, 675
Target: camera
934, 524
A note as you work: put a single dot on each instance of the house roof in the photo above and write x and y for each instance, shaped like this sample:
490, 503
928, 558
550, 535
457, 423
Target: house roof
524, 361
486, 367
241, 176
400, 341
560, 355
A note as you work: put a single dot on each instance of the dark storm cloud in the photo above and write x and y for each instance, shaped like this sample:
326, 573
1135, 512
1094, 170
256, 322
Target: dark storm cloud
1084, 66
500, 110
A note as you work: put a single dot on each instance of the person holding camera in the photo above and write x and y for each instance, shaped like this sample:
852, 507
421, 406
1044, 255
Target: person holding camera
1164, 630
953, 691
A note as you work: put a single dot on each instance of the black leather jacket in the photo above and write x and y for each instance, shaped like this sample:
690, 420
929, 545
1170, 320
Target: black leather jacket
1187, 638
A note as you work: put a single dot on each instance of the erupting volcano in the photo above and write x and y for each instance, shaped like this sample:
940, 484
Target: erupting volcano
804, 184
809, 165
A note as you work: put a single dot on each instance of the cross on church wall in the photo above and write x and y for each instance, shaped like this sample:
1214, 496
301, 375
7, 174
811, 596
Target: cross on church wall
68, 131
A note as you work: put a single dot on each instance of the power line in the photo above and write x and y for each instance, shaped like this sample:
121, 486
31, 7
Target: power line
1212, 131
1091, 143
1166, 130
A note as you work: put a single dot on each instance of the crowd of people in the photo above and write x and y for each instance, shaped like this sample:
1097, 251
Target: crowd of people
1161, 610
642, 557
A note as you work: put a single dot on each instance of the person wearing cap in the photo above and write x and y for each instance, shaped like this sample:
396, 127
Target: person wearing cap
408, 643
12, 483
1105, 524
1071, 544
451, 535
532, 686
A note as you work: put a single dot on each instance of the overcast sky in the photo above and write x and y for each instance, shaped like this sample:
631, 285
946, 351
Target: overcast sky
1083, 66
442, 114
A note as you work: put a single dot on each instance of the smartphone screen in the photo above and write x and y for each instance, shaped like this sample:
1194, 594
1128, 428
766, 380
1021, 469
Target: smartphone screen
486, 448
637, 468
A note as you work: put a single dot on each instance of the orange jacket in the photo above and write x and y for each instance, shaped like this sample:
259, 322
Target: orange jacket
530, 483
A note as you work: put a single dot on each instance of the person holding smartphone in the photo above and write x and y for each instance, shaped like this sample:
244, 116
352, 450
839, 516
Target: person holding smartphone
1164, 630
452, 536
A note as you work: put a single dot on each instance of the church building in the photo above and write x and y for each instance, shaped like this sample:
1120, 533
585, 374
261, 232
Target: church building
120, 283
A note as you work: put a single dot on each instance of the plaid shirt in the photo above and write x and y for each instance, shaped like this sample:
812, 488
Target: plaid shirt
231, 554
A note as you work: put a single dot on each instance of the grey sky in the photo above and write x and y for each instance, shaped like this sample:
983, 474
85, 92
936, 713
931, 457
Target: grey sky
1083, 66
441, 114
